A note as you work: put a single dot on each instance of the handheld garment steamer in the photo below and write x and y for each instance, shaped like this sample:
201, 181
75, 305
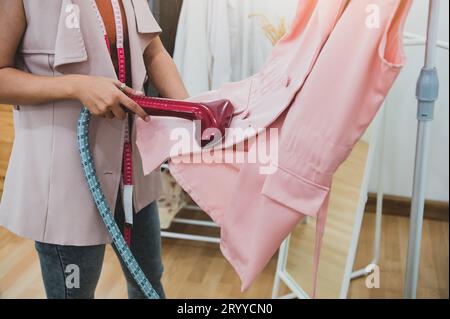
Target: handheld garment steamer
214, 118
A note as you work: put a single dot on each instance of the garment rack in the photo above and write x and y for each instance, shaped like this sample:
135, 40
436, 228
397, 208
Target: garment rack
190, 221
427, 94
410, 40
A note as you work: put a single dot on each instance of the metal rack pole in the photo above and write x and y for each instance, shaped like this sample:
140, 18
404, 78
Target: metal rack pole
427, 94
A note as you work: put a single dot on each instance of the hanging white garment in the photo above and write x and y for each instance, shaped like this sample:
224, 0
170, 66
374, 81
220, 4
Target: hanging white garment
202, 49
220, 41
250, 22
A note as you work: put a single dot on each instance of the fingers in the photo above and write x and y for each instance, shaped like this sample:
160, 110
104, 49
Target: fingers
109, 115
118, 112
135, 108
126, 89
115, 104
129, 103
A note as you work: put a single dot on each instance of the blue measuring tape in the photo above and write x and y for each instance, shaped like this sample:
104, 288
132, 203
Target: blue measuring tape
95, 188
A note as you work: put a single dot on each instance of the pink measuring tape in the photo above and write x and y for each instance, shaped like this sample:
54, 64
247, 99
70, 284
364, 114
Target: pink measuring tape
127, 163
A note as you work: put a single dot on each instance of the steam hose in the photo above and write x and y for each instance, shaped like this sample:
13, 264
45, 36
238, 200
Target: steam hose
104, 209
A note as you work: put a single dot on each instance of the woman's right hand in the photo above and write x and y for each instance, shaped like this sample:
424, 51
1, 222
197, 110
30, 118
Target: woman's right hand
103, 97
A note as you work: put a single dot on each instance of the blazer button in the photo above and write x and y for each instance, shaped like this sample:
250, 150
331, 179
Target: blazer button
246, 114
287, 81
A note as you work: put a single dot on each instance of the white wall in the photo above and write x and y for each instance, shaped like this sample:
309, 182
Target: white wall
401, 113
401, 118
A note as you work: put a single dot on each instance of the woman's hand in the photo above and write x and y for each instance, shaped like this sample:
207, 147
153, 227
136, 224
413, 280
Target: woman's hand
103, 97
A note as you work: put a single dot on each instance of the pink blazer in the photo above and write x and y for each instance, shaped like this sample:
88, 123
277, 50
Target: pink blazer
46, 197
322, 86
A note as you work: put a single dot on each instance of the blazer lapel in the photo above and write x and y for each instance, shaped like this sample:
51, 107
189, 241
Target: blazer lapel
81, 41
145, 21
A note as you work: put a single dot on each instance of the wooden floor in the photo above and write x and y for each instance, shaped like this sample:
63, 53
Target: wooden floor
198, 270
6, 139
342, 212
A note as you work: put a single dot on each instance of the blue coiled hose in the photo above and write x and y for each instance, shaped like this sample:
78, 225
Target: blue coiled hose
104, 209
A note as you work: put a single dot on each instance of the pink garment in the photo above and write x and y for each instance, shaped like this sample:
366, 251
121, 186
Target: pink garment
354, 64
261, 99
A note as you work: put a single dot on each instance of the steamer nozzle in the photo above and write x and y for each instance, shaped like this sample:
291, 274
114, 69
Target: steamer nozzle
214, 117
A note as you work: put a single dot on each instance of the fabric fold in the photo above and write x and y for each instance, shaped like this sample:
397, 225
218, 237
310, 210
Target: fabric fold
336, 86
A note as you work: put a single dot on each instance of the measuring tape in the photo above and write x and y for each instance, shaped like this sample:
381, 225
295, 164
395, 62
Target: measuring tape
127, 164
121, 244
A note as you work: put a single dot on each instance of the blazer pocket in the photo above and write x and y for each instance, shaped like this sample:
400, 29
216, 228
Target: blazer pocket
38, 62
295, 192
37, 51
51, 62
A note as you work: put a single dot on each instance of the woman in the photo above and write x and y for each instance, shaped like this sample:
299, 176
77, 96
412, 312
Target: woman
53, 60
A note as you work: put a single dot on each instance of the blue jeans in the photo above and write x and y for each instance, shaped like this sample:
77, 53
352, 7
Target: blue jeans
56, 260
